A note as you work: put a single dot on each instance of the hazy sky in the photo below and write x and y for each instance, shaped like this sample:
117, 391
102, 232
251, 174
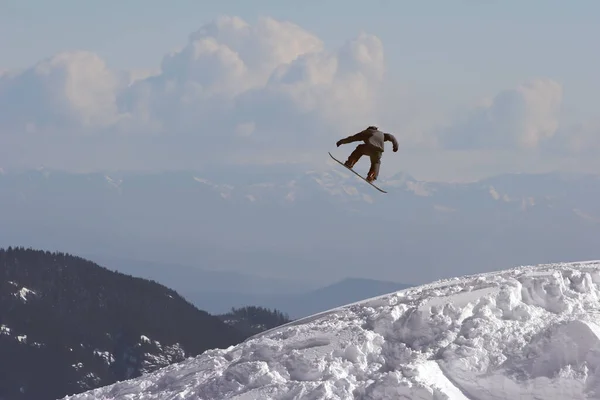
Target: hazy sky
470, 88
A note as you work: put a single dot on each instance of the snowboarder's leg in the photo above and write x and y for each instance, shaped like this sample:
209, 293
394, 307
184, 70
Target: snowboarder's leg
375, 156
358, 152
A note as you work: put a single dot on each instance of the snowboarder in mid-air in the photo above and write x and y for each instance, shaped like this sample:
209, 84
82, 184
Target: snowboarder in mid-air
373, 147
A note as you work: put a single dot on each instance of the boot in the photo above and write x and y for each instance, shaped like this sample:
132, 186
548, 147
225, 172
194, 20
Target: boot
349, 163
371, 176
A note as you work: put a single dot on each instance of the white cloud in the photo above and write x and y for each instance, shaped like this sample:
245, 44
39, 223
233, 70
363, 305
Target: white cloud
522, 117
66, 90
265, 91
274, 76
580, 139
231, 86
254, 51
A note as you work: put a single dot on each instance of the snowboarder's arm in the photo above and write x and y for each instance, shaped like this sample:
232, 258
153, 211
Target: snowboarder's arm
355, 138
388, 137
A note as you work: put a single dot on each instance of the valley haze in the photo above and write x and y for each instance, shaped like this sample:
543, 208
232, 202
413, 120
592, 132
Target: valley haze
308, 229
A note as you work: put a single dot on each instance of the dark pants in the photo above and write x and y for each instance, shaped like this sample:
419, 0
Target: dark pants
366, 150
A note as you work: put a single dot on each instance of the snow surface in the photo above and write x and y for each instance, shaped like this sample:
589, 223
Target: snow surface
23, 293
524, 333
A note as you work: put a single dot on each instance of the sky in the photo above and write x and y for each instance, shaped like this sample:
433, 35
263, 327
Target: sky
469, 88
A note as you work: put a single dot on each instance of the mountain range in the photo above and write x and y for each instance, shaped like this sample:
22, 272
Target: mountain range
312, 227
298, 305
219, 291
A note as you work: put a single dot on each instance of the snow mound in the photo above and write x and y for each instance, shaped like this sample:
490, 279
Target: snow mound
525, 333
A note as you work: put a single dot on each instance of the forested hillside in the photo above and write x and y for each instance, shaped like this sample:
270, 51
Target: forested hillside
68, 325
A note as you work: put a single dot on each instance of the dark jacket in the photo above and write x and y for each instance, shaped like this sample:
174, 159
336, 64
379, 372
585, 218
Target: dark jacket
373, 137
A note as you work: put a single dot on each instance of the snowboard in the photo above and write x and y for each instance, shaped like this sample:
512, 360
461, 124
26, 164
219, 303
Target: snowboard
357, 174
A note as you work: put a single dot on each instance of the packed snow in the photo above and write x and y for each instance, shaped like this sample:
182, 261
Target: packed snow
524, 333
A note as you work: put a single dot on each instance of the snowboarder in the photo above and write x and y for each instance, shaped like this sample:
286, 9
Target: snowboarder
373, 147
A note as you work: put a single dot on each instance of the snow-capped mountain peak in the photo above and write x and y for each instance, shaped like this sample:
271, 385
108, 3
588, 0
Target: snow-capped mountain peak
113, 182
525, 333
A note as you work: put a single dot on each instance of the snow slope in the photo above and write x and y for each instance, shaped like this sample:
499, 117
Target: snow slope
525, 333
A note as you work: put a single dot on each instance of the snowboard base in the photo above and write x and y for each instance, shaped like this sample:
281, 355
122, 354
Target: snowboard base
357, 174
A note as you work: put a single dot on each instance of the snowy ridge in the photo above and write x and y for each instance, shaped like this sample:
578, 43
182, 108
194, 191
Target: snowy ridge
524, 333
